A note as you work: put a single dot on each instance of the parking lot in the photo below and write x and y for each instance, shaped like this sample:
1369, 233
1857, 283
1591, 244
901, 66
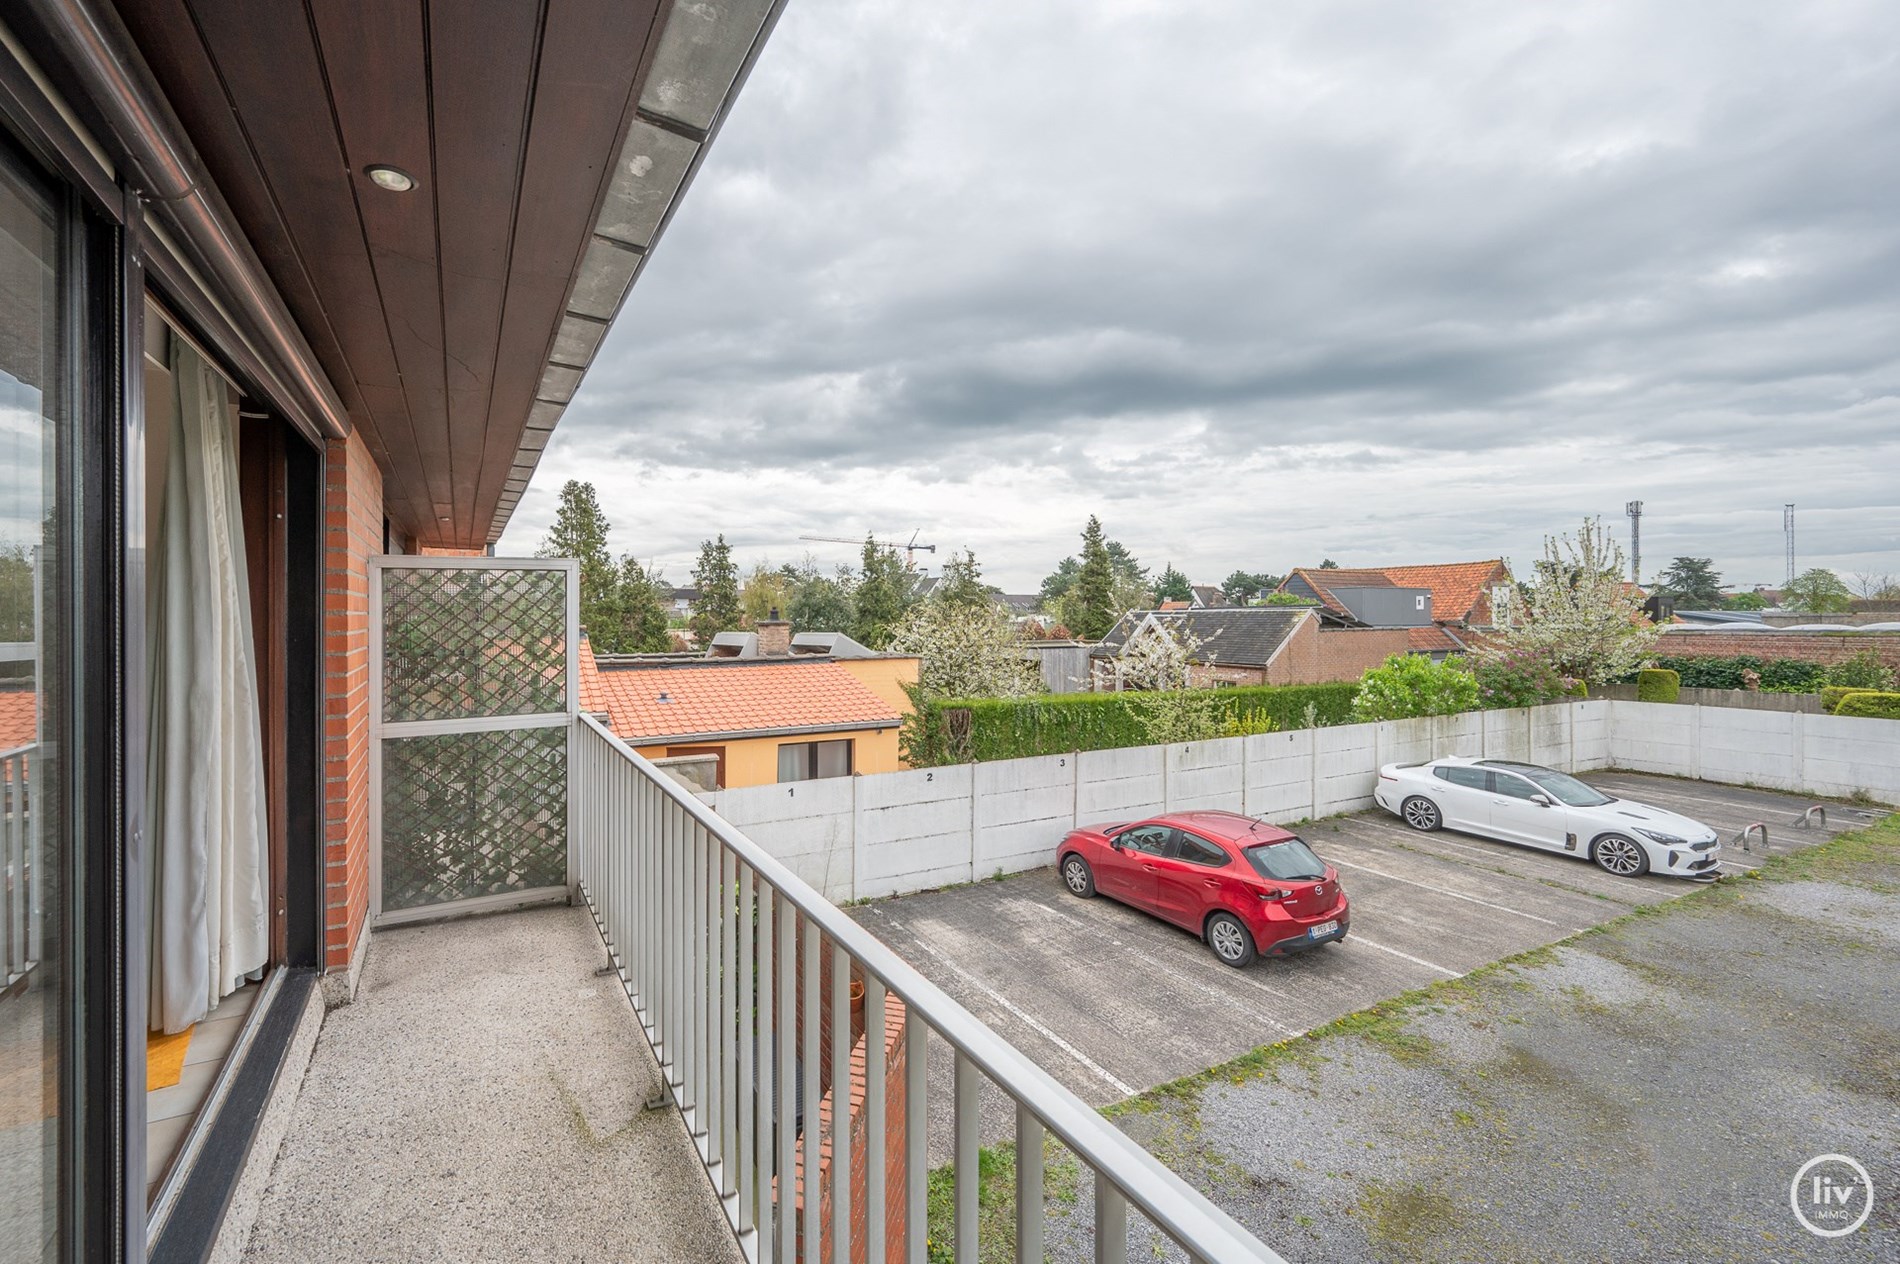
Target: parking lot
1112, 1001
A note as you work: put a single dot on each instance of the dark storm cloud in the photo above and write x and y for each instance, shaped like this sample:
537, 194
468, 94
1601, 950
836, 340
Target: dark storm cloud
1154, 243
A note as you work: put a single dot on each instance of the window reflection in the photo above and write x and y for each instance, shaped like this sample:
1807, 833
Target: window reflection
31, 341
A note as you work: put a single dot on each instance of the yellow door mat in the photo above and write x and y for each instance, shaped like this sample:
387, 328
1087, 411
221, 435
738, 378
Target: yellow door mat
165, 1058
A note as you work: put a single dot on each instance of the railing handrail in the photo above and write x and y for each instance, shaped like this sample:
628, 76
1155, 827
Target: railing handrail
1174, 1206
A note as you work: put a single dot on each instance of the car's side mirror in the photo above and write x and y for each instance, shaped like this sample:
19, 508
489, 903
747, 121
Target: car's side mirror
1541, 800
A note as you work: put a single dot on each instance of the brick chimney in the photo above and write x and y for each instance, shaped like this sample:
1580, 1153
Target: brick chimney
775, 636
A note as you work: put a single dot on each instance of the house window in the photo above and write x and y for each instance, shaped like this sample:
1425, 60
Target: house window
808, 761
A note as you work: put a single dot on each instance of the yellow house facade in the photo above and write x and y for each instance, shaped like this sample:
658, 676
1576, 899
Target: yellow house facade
764, 720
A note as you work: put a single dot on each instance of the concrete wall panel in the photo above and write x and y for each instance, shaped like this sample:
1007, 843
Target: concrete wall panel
914, 830
1345, 768
1279, 775
1206, 775
1023, 808
1119, 785
807, 825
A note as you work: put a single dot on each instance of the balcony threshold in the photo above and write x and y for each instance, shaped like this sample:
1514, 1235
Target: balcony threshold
484, 1099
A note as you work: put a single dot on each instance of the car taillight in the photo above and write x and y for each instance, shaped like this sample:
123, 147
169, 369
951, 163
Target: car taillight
1275, 895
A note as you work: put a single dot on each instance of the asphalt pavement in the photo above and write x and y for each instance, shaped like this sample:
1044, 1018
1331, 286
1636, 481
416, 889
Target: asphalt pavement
1112, 1001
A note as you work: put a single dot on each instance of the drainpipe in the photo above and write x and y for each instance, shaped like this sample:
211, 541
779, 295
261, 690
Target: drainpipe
170, 176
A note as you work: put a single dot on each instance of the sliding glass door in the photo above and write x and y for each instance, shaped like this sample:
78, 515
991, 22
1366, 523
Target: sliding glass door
36, 350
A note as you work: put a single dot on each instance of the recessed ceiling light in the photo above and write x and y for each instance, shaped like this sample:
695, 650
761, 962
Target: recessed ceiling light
395, 179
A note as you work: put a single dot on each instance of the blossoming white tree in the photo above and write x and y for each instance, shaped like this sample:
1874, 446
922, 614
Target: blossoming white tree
1157, 663
1580, 616
1160, 654
967, 651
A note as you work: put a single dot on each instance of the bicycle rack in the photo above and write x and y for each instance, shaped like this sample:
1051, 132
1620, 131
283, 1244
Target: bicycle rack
1806, 819
1749, 830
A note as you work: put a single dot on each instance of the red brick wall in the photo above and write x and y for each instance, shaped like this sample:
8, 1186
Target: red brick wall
895, 1202
1814, 647
1298, 662
1346, 653
352, 533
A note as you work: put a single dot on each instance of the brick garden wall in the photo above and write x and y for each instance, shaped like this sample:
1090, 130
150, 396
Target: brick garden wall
1814, 647
895, 1202
352, 534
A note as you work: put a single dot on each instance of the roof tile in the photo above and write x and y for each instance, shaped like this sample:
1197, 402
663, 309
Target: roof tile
645, 703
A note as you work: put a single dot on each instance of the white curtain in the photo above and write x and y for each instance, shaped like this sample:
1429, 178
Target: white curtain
210, 873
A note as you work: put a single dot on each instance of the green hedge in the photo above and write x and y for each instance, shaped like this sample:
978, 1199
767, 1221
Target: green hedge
954, 731
1870, 703
1658, 684
1831, 696
1778, 675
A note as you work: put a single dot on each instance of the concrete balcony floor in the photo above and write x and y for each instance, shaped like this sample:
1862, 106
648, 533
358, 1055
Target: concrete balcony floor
482, 1099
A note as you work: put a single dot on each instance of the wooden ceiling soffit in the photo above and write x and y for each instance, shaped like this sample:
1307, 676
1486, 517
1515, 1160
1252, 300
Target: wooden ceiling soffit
703, 56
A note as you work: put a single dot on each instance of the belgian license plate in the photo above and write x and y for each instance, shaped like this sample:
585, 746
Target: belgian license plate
1322, 930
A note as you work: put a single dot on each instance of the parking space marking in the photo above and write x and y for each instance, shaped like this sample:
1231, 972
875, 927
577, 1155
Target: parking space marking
1125, 1090
1739, 806
1440, 838
1181, 977
1417, 961
1456, 895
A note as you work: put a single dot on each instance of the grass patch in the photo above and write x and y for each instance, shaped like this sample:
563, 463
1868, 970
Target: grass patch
1406, 1216
1864, 858
995, 1200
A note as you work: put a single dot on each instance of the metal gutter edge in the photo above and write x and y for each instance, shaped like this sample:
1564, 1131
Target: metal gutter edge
734, 735
528, 459
113, 76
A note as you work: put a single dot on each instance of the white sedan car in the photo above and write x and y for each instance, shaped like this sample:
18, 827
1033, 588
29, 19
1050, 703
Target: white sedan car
1523, 803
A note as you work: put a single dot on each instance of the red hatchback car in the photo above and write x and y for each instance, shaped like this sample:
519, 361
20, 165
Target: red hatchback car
1245, 887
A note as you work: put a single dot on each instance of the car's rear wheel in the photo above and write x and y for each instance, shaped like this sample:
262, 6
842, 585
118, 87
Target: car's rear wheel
1078, 877
1230, 940
1421, 813
1621, 856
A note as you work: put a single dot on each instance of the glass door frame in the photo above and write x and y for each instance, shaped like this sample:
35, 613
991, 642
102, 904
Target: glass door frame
93, 925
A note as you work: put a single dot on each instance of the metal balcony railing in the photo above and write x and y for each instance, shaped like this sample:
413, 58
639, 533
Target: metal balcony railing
711, 937
20, 912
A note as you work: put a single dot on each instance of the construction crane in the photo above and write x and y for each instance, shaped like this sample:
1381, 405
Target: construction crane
911, 550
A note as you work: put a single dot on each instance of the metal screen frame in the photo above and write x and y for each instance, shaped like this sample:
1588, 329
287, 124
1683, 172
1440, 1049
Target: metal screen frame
381, 731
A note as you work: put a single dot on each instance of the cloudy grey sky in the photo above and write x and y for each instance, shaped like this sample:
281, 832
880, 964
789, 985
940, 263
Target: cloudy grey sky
1259, 284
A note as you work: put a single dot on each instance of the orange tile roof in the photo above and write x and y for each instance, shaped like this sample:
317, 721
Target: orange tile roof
735, 697
1176, 605
1431, 640
19, 718
1456, 587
